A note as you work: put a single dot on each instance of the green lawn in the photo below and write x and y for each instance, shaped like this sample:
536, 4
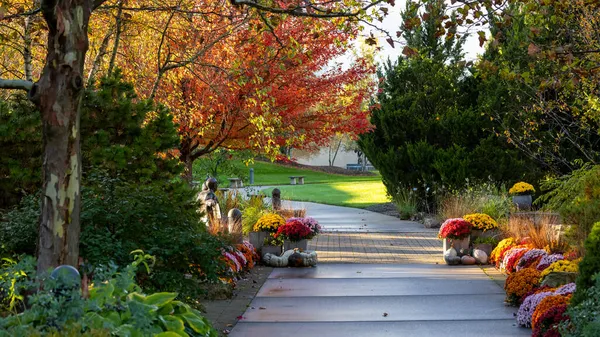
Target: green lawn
321, 187
273, 174
359, 194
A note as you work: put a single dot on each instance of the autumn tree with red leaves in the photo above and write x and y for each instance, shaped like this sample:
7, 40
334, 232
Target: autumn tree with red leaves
66, 27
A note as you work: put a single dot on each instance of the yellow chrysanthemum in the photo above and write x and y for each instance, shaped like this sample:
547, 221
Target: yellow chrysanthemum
481, 221
521, 188
269, 223
561, 266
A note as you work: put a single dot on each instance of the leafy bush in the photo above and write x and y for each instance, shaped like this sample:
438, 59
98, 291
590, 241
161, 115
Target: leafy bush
16, 280
19, 227
116, 306
161, 219
585, 312
21, 144
589, 266
577, 197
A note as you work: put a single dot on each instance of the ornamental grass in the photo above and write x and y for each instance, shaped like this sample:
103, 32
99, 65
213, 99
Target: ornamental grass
520, 283
521, 188
269, 222
481, 221
537, 229
545, 305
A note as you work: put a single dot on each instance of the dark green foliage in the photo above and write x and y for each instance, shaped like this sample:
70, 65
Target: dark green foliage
161, 219
17, 279
18, 227
589, 266
428, 132
584, 310
577, 197
116, 306
541, 116
21, 144
123, 136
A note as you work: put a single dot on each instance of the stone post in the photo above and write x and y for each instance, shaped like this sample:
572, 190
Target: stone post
234, 224
251, 176
276, 199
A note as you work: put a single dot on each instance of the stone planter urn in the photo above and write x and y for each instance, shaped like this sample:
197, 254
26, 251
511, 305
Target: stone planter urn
275, 250
257, 239
523, 202
457, 244
302, 245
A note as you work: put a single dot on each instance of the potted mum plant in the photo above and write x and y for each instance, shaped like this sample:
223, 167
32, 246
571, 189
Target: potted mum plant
521, 193
297, 231
264, 230
483, 225
455, 233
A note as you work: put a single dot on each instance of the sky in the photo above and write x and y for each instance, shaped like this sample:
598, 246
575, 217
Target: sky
393, 21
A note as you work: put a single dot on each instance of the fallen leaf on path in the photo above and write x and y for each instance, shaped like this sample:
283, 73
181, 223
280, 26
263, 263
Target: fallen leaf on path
385, 314
262, 308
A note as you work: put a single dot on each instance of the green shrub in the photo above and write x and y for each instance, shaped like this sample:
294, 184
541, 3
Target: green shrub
161, 219
584, 313
17, 278
19, 227
577, 197
589, 266
116, 306
21, 144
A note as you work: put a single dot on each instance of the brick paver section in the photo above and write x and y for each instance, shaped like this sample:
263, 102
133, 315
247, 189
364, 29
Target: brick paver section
364, 247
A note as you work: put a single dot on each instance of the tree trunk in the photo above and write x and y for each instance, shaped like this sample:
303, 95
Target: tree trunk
185, 156
58, 95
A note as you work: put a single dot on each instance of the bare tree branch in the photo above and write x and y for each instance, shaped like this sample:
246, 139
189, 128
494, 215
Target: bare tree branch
16, 84
308, 10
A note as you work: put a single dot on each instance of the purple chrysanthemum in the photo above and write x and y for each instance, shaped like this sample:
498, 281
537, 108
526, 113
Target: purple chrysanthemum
528, 257
547, 260
568, 288
526, 309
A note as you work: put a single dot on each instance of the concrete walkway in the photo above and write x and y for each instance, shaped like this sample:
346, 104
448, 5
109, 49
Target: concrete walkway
377, 276
379, 300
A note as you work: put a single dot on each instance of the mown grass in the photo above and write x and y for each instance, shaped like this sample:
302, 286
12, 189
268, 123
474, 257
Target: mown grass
358, 194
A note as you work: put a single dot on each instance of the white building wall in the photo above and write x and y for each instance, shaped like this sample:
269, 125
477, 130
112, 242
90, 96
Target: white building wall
321, 157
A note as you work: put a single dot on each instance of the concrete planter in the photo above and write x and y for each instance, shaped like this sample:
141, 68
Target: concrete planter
275, 250
478, 233
302, 245
257, 239
523, 202
486, 247
457, 244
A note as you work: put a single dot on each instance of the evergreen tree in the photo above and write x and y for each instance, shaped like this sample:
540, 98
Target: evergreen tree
428, 129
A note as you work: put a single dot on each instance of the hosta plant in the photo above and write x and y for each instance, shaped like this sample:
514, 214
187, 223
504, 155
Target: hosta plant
116, 306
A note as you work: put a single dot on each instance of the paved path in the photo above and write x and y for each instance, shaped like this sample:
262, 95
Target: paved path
377, 276
379, 300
